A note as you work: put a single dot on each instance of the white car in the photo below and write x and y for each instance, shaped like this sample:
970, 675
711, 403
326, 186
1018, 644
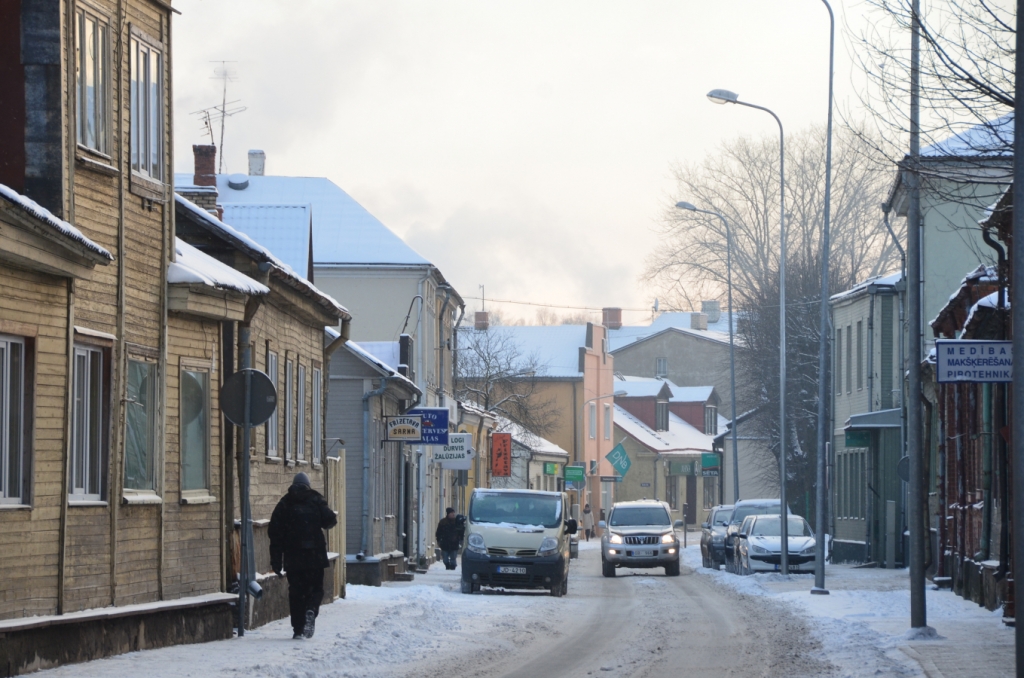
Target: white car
759, 548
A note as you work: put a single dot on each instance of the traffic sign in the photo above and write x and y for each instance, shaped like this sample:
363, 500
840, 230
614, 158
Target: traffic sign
262, 397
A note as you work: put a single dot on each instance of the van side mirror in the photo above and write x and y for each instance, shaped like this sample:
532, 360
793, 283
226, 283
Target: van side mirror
601, 524
571, 526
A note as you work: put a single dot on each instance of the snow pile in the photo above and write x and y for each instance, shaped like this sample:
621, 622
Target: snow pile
194, 267
41, 213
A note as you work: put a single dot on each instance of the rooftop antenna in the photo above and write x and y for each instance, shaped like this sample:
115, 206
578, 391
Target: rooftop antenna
483, 300
221, 113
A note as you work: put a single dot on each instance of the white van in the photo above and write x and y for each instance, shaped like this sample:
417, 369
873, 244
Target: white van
517, 539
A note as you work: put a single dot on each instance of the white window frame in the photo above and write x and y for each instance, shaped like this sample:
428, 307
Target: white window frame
146, 107
661, 367
272, 431
98, 111
204, 370
88, 425
661, 415
300, 419
289, 407
607, 422
13, 490
592, 428
318, 430
710, 420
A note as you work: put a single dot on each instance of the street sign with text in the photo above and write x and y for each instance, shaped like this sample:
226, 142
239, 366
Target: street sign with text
973, 361
457, 454
435, 424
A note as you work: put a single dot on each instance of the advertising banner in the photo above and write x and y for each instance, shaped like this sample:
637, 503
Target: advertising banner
973, 361
403, 429
501, 455
457, 454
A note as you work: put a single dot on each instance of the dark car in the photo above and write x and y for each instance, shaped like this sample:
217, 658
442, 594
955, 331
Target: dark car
712, 536
740, 510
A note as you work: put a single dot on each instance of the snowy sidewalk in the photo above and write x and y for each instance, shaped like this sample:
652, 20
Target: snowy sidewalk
863, 622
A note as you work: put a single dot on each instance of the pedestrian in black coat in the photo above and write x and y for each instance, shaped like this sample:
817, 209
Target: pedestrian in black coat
297, 546
449, 537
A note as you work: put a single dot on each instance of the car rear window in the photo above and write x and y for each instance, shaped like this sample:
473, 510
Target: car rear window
630, 516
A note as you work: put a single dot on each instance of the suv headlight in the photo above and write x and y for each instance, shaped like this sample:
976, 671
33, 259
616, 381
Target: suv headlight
668, 538
476, 543
614, 538
548, 546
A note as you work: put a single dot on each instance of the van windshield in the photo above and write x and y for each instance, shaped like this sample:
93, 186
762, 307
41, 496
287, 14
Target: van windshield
626, 516
516, 509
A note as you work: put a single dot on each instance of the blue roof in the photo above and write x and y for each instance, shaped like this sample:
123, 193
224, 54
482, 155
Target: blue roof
992, 138
344, 232
283, 229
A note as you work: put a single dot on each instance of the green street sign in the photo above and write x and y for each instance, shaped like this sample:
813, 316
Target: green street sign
858, 439
619, 459
573, 474
550, 468
709, 460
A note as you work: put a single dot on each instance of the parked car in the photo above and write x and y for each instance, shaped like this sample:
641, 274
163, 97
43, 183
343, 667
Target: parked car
712, 536
759, 545
742, 509
640, 534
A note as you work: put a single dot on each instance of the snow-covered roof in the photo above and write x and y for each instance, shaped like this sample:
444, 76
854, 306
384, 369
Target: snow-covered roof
648, 387
283, 229
190, 266
990, 302
888, 280
992, 138
259, 252
40, 213
529, 439
344, 232
360, 351
387, 351
671, 321
680, 437
555, 347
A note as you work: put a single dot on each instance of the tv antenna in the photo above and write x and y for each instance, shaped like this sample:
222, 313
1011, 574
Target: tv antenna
226, 109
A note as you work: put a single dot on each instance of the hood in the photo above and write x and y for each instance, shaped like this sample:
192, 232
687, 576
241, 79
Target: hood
510, 535
298, 493
641, 529
774, 544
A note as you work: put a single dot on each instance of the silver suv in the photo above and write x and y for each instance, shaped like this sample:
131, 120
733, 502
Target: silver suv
640, 534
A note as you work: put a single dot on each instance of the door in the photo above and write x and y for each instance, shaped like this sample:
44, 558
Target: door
690, 512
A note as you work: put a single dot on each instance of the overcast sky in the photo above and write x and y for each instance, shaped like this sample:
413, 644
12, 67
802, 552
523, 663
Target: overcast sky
524, 145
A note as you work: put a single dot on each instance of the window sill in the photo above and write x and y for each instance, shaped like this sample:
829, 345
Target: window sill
272, 460
15, 507
88, 163
301, 462
147, 188
86, 502
290, 462
317, 467
198, 499
142, 499
93, 151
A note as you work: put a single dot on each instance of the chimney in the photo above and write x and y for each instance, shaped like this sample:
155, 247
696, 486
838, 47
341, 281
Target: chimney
698, 321
611, 317
481, 320
712, 309
206, 164
257, 161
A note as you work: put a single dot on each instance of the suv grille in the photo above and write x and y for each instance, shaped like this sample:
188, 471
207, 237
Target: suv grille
643, 539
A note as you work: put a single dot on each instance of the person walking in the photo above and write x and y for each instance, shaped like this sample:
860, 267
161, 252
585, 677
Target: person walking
449, 533
297, 546
588, 521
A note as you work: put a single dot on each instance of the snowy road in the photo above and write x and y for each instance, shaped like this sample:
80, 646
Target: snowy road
639, 624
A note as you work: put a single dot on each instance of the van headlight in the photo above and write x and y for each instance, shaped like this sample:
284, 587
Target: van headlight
614, 538
668, 538
476, 543
548, 547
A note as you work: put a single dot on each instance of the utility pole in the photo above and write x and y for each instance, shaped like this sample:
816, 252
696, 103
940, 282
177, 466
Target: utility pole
1017, 435
918, 612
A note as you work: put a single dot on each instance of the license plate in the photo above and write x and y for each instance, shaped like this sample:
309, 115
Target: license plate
510, 569
643, 553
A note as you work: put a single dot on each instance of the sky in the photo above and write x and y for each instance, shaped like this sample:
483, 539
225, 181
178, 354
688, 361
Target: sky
523, 145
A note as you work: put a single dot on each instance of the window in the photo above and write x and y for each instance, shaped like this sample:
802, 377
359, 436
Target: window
272, 434
318, 435
195, 429
661, 416
661, 367
13, 409
593, 421
300, 423
839, 361
860, 354
289, 409
88, 424
140, 415
147, 110
672, 492
607, 422
710, 420
849, 359
92, 86
710, 492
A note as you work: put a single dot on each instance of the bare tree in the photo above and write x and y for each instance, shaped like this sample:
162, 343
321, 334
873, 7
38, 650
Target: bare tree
495, 373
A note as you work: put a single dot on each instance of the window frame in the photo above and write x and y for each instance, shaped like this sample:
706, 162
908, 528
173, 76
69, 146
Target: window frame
99, 418
661, 415
839, 361
138, 43
289, 405
272, 431
607, 422
849, 359
860, 355
318, 429
592, 427
661, 367
711, 420
152, 421
26, 403
300, 414
204, 368
102, 102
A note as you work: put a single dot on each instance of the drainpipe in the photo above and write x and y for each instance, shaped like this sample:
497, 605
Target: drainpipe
441, 342
986, 529
986, 465
364, 542
940, 566
901, 293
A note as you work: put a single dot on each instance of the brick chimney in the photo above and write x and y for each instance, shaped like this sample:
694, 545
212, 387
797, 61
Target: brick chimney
481, 320
257, 163
698, 321
611, 317
206, 164
712, 309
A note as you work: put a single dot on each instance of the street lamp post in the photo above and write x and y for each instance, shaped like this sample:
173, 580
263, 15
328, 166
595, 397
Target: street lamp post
724, 96
596, 432
732, 346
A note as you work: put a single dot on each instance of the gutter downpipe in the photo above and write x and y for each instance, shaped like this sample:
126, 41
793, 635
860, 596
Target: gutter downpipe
364, 542
986, 525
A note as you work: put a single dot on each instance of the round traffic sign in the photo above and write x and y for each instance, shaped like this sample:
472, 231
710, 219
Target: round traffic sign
262, 397
903, 469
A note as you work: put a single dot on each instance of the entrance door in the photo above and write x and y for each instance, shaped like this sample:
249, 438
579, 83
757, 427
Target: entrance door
690, 513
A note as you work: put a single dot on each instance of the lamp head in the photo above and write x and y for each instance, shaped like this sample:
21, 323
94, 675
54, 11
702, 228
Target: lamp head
619, 394
686, 206
723, 96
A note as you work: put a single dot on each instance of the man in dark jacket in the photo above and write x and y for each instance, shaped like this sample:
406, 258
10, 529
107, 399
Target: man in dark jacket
297, 544
449, 537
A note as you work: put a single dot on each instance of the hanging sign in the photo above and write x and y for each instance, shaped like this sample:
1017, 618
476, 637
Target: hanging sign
619, 459
457, 454
550, 468
435, 424
501, 455
709, 460
973, 361
403, 428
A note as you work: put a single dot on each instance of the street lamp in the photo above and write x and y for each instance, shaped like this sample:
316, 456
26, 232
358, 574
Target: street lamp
616, 394
724, 96
732, 347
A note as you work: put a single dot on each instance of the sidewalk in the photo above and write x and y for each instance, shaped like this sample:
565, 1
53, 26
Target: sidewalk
863, 622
